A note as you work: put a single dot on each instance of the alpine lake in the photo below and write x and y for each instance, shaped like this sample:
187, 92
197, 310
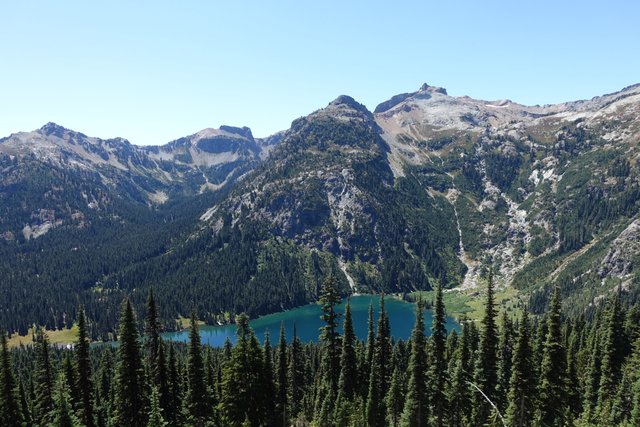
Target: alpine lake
307, 321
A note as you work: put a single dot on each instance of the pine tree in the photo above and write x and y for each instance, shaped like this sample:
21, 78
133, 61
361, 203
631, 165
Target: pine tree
63, 415
70, 376
522, 382
10, 414
155, 411
347, 384
173, 389
505, 353
296, 376
485, 374
83, 364
612, 355
329, 337
268, 388
395, 399
552, 392
330, 364
242, 379
458, 396
44, 380
438, 368
196, 403
129, 399
379, 375
365, 370
152, 337
415, 412
24, 404
281, 383
592, 382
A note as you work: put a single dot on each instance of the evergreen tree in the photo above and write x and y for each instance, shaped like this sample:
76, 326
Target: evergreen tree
438, 368
152, 337
612, 353
129, 399
198, 410
329, 337
379, 375
330, 365
415, 412
24, 404
395, 399
83, 364
347, 384
458, 396
552, 392
485, 374
173, 388
63, 414
70, 376
9, 399
155, 411
242, 380
281, 376
365, 370
44, 380
296, 376
522, 383
505, 353
268, 388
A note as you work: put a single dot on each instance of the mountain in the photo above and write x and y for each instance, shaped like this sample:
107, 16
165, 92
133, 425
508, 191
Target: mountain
427, 187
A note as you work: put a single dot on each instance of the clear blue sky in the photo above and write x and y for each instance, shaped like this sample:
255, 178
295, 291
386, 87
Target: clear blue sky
154, 71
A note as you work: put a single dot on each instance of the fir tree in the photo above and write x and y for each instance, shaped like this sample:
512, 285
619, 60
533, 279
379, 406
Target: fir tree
296, 376
365, 370
129, 398
458, 397
329, 337
281, 376
44, 380
152, 337
63, 414
242, 380
553, 385
438, 368
379, 375
24, 404
485, 374
347, 384
395, 399
155, 411
522, 382
268, 388
83, 364
70, 376
415, 412
170, 413
505, 353
612, 355
196, 403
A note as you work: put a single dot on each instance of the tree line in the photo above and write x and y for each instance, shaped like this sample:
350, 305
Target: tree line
525, 371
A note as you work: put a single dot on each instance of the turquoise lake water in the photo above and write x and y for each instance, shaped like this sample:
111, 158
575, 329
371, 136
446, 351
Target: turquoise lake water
308, 323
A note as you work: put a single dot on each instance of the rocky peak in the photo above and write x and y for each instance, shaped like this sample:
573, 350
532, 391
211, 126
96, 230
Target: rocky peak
244, 131
432, 89
346, 101
53, 129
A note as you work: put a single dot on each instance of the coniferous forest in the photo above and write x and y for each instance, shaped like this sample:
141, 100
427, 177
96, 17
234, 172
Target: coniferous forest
525, 370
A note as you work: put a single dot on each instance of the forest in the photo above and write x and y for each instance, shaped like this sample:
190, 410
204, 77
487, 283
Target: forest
508, 369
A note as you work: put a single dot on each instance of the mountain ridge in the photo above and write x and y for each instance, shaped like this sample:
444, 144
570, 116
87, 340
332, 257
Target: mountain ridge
427, 186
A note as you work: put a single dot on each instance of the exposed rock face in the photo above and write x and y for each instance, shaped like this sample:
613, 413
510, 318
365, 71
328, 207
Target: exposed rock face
624, 253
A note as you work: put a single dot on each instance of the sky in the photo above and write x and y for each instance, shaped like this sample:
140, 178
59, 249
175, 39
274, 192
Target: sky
155, 71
